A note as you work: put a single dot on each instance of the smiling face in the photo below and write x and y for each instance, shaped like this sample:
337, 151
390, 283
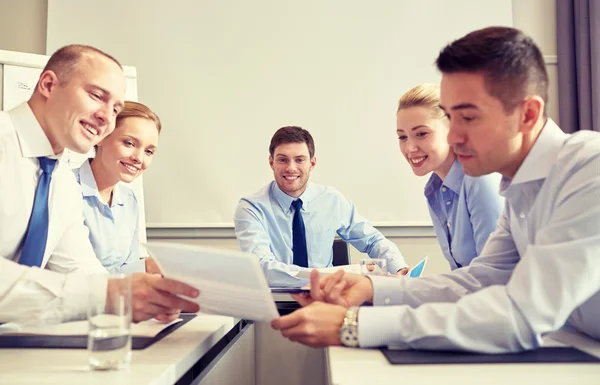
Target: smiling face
422, 137
127, 152
81, 111
291, 164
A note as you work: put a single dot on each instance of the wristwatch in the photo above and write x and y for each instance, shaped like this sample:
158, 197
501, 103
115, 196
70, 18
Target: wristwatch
349, 330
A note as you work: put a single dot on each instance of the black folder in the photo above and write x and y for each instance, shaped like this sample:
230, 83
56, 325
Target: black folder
542, 355
80, 341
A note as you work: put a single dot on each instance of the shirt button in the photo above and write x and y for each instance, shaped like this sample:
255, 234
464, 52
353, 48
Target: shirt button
387, 301
443, 189
522, 215
448, 224
448, 203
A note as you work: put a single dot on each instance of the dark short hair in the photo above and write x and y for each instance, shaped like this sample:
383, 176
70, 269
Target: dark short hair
511, 63
292, 134
64, 61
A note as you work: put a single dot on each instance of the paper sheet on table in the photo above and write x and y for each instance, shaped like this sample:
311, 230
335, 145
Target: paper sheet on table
148, 328
330, 270
230, 283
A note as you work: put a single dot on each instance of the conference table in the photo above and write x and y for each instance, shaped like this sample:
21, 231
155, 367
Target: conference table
222, 350
209, 349
202, 351
348, 366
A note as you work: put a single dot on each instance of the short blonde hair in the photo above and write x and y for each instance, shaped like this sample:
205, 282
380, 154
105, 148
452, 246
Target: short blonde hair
138, 110
424, 95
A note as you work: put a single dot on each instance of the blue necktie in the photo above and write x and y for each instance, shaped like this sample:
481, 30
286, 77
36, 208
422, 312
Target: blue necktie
299, 236
37, 231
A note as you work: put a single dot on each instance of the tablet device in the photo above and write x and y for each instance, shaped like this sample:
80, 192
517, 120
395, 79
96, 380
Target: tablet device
417, 271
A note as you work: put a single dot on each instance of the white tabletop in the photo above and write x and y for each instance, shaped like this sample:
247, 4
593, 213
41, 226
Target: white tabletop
349, 366
163, 363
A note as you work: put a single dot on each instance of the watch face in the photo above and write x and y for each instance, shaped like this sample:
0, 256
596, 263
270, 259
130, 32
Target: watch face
349, 337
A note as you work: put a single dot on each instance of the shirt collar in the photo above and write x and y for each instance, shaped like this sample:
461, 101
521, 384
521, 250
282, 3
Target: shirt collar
32, 139
453, 180
89, 188
455, 177
540, 159
285, 201
433, 184
117, 198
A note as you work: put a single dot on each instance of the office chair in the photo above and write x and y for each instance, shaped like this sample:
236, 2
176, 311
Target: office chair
341, 254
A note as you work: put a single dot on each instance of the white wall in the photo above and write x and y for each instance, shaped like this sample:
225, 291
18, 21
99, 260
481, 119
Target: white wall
535, 17
23, 25
225, 74
22, 29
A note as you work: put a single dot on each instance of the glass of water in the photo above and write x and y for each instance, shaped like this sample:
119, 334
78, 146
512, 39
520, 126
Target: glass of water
109, 319
373, 266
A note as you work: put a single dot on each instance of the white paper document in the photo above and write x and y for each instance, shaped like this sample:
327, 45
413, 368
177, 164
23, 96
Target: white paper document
230, 283
355, 269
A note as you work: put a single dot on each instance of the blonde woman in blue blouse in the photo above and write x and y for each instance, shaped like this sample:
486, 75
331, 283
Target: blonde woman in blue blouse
464, 209
111, 208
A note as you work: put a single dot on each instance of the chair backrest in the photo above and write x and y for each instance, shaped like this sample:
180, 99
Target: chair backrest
341, 255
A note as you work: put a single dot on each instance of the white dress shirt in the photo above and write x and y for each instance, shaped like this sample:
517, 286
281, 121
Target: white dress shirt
539, 271
34, 296
68, 248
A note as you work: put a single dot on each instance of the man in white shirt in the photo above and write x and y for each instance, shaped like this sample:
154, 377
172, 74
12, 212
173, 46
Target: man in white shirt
75, 104
539, 270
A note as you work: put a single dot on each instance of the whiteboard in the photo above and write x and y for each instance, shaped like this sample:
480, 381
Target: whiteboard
224, 75
20, 73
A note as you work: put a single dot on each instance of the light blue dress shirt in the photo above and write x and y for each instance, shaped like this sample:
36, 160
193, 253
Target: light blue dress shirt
113, 229
464, 211
539, 271
263, 226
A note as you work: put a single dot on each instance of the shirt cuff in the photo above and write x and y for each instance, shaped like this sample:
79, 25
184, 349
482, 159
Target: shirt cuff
388, 290
379, 326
